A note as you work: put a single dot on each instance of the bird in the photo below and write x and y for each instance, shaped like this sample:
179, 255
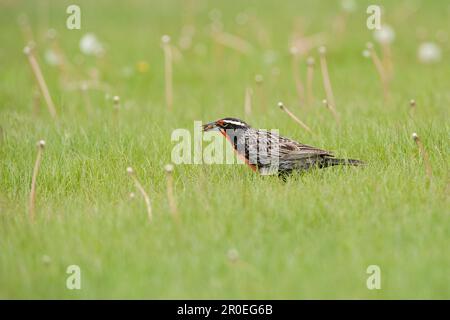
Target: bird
268, 153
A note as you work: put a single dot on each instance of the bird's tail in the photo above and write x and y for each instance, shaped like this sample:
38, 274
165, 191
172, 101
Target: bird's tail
349, 162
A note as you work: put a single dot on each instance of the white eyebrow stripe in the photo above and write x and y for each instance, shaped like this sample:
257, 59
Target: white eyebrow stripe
233, 122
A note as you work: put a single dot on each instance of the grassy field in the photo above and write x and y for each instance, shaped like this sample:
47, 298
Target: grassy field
312, 236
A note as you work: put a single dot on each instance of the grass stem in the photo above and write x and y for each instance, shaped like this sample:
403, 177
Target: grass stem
424, 154
309, 80
326, 77
290, 114
332, 110
37, 164
380, 69
299, 87
143, 193
170, 193
168, 71
40, 80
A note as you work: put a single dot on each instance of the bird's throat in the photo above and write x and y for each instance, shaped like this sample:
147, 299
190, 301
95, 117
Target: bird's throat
233, 142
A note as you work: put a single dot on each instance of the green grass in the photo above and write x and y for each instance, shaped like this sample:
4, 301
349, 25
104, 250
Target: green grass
311, 237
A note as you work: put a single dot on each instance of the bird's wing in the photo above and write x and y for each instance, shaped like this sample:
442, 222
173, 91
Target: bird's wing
291, 150
265, 148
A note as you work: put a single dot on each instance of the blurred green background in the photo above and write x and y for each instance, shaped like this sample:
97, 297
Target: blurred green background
238, 235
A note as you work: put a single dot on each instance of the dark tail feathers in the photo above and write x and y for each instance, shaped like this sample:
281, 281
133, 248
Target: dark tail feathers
349, 162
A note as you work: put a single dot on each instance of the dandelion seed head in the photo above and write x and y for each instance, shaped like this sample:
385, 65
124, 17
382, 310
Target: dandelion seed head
259, 78
429, 52
168, 168
27, 50
293, 50
385, 35
52, 58
90, 46
165, 39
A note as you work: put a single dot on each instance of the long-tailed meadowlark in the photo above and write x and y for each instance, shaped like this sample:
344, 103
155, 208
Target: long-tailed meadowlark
268, 153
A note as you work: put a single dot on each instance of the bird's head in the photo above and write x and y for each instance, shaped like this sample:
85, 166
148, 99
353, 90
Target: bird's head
226, 124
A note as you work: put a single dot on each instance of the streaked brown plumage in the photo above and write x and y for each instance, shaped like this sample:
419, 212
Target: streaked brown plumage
269, 153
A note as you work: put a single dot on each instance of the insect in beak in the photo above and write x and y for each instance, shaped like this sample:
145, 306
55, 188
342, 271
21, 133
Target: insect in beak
209, 126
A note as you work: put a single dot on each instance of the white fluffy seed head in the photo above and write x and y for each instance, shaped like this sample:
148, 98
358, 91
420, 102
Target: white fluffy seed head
90, 45
415, 136
168, 168
280, 105
322, 50
294, 50
412, 103
325, 102
385, 35
366, 53
27, 50
130, 170
165, 39
116, 99
429, 52
41, 143
310, 61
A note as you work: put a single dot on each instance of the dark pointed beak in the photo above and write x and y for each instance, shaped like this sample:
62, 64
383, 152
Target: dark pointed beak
209, 126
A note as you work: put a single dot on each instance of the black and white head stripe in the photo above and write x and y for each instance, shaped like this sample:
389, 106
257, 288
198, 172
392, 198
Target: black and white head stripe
233, 122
